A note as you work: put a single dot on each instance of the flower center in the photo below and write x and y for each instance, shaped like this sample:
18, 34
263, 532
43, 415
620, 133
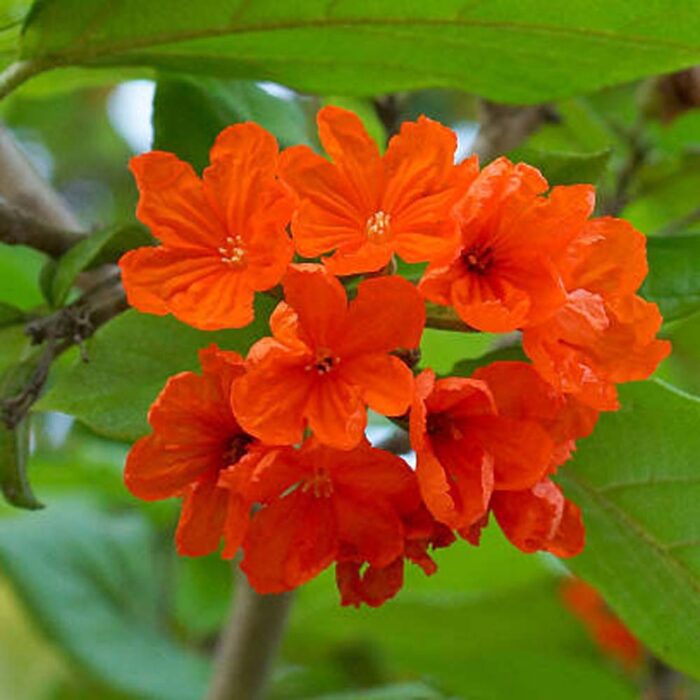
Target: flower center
319, 484
323, 361
441, 424
236, 448
478, 260
233, 253
378, 226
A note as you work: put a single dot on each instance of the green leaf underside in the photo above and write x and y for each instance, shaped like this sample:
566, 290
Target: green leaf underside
563, 168
637, 481
516, 50
673, 281
130, 361
87, 582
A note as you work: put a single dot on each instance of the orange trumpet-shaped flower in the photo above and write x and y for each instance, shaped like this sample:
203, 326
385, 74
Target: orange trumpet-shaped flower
604, 334
323, 505
465, 450
195, 437
365, 206
502, 274
603, 625
328, 360
222, 237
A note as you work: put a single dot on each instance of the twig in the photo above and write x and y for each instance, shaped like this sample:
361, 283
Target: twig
248, 643
664, 682
70, 326
18, 228
636, 157
16, 74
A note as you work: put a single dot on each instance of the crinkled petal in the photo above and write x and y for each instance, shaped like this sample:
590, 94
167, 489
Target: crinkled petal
372, 586
172, 202
336, 413
289, 542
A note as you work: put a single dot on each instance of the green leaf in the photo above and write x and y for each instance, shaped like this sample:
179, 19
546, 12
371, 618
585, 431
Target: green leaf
188, 114
673, 281
10, 315
498, 607
88, 581
105, 245
636, 479
516, 51
130, 360
562, 168
466, 367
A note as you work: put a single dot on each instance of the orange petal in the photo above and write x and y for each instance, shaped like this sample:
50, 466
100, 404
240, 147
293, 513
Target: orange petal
384, 382
319, 301
289, 542
330, 213
373, 586
353, 152
387, 313
172, 202
270, 400
202, 519
336, 414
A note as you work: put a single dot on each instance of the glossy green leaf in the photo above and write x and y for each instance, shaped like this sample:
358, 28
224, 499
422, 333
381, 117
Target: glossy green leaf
130, 360
513, 51
637, 481
87, 580
188, 114
105, 245
673, 281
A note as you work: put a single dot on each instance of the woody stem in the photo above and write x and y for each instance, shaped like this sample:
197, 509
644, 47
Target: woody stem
248, 643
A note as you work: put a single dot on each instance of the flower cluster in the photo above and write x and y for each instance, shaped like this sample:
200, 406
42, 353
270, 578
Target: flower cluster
269, 452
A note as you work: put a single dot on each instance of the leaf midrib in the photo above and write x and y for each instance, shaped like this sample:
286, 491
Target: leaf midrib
85, 54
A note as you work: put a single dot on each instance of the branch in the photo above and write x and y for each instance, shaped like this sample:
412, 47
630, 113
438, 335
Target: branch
70, 326
248, 643
19, 228
22, 186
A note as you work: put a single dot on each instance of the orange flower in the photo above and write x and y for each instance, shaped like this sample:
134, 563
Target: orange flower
367, 207
223, 237
604, 334
321, 505
195, 437
604, 626
465, 450
520, 393
375, 585
502, 275
328, 360
540, 518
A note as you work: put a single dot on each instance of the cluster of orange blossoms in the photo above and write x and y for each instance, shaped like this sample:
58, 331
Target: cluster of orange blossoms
269, 452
